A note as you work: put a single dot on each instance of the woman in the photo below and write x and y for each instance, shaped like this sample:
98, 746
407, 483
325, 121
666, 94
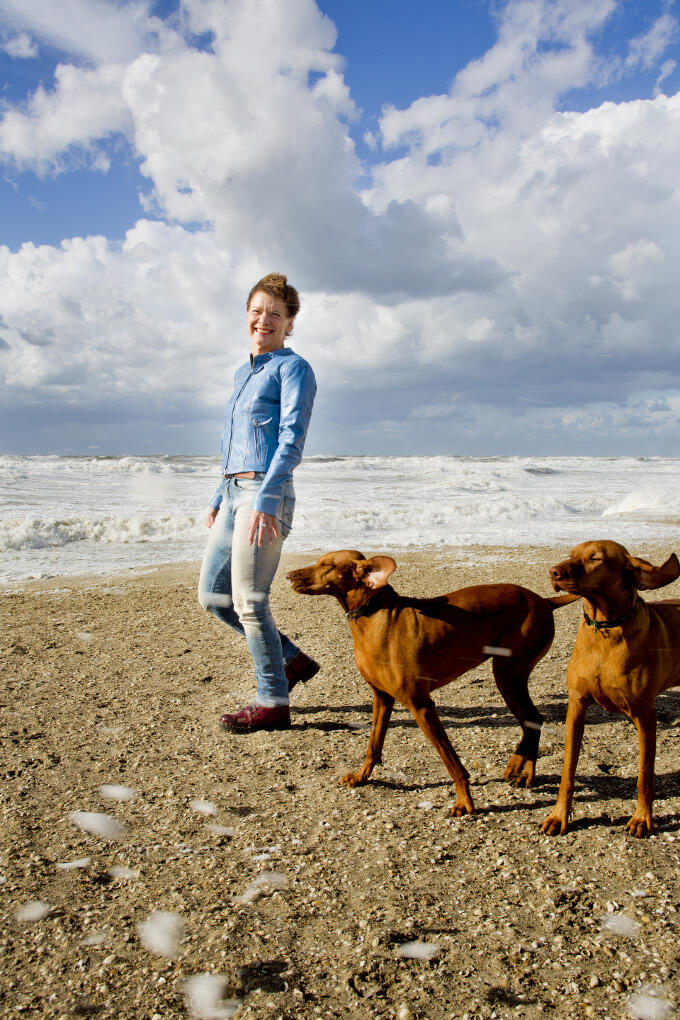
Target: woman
252, 510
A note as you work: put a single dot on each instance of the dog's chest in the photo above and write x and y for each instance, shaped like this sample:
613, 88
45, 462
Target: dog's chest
613, 671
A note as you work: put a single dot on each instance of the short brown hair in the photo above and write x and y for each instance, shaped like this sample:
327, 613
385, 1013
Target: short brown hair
276, 285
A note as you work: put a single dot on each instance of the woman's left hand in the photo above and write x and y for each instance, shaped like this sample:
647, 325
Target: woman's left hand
262, 525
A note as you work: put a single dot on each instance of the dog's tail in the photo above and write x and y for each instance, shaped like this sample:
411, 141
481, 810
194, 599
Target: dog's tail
561, 600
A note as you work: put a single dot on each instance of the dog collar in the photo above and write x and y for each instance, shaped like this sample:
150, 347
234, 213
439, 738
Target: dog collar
368, 607
599, 625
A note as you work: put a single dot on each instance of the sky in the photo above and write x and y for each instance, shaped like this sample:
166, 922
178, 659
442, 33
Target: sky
478, 201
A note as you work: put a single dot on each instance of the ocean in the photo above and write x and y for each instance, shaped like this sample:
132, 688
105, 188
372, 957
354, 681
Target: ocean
63, 516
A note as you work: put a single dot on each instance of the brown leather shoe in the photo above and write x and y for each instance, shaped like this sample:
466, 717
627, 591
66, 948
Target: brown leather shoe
301, 669
257, 717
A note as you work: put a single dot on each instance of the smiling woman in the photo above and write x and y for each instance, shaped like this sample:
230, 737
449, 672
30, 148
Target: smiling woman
252, 510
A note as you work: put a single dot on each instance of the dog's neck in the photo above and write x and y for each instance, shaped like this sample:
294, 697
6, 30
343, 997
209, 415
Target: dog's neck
364, 602
601, 611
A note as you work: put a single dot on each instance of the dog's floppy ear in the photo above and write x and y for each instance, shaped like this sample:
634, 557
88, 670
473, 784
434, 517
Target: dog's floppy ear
376, 572
646, 576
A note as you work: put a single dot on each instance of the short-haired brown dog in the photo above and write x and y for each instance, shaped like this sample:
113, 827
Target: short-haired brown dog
627, 652
406, 648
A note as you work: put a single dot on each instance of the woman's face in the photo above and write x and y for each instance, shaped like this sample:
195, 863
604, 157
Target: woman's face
268, 322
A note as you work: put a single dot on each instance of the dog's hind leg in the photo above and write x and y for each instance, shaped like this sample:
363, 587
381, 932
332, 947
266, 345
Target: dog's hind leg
382, 710
425, 714
512, 679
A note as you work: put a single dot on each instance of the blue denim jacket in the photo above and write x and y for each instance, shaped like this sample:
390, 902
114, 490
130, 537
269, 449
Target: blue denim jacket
266, 422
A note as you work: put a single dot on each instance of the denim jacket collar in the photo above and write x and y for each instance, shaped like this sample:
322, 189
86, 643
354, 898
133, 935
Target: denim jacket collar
261, 359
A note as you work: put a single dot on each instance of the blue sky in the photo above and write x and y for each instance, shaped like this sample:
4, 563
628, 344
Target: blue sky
476, 199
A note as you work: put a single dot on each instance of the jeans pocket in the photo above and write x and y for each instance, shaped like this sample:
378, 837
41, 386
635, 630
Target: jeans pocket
249, 484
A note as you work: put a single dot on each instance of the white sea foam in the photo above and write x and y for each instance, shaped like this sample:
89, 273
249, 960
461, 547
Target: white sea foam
205, 997
203, 807
81, 862
649, 1003
162, 933
113, 791
68, 515
32, 911
620, 924
121, 872
265, 884
418, 951
104, 826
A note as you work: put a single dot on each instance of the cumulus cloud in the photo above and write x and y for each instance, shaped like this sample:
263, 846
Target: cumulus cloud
503, 259
84, 107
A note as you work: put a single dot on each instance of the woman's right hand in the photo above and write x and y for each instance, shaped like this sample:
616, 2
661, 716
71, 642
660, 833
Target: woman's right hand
212, 514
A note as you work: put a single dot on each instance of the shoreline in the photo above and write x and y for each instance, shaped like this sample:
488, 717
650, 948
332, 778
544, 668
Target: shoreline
441, 557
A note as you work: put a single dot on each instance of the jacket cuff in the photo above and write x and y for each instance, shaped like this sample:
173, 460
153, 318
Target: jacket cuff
267, 503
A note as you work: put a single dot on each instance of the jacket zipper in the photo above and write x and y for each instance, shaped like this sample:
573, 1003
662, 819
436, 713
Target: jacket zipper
233, 408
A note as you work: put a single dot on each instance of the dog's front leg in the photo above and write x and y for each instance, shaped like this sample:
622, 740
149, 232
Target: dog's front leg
641, 823
382, 710
557, 821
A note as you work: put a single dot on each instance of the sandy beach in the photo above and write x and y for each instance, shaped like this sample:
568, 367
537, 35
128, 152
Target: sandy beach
119, 681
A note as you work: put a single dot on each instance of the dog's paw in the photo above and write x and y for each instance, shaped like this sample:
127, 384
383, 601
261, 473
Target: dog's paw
555, 825
520, 771
352, 779
461, 808
641, 824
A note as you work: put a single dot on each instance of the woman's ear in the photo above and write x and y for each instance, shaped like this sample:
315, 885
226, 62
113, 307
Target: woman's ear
376, 572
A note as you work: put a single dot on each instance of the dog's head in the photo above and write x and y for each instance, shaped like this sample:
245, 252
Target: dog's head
607, 568
339, 573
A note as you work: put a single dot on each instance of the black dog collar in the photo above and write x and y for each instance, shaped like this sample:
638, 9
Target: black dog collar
599, 625
370, 606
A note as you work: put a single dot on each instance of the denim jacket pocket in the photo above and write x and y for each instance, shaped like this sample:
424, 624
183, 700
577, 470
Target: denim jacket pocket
260, 436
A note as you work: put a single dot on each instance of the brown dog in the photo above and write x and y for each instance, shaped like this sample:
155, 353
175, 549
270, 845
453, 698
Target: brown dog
627, 652
406, 647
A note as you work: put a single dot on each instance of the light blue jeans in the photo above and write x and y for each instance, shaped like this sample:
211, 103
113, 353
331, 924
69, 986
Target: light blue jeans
236, 580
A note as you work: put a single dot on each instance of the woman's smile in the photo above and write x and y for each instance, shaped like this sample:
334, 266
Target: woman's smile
268, 322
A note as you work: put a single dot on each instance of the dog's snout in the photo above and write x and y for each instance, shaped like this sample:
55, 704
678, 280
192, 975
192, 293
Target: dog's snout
561, 574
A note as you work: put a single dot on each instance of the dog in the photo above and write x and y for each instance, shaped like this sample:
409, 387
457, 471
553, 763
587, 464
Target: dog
405, 648
627, 652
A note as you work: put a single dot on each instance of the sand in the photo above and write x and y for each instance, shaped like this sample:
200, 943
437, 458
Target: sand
119, 681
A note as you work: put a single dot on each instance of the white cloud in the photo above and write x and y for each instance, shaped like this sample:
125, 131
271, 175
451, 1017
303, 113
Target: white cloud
646, 49
84, 107
666, 70
20, 46
142, 318
636, 265
94, 30
508, 262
